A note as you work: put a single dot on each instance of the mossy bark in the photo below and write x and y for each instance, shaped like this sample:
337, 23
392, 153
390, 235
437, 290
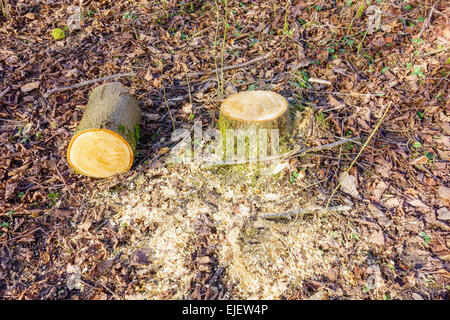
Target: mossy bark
282, 123
113, 108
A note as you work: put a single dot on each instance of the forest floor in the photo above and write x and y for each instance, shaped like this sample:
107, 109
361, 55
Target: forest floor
172, 231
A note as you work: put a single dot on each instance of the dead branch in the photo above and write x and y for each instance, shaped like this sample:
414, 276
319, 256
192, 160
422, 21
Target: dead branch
302, 211
236, 66
295, 152
88, 82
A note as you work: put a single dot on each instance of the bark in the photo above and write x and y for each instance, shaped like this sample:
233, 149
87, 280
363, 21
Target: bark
255, 110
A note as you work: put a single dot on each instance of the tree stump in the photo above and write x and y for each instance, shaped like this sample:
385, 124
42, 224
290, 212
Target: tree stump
254, 114
105, 140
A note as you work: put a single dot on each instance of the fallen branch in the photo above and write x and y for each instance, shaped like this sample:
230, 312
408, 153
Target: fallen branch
302, 211
88, 82
320, 81
236, 66
4, 92
295, 152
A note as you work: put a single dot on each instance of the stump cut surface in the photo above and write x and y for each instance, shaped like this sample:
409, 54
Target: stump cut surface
254, 106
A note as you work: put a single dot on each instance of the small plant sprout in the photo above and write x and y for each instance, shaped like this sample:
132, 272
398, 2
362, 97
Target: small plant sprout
418, 72
426, 238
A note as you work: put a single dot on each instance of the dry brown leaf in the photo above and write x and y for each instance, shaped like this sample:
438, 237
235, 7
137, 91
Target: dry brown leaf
334, 102
384, 168
30, 86
30, 16
348, 185
418, 204
443, 213
444, 193
420, 160
379, 190
392, 203
377, 238
9, 190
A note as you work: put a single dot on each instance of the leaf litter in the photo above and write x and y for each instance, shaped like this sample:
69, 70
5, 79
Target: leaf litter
69, 237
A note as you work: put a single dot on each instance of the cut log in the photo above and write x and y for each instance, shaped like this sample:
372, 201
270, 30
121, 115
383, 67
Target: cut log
254, 110
105, 141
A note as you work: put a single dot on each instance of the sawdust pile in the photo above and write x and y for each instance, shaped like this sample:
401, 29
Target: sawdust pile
262, 259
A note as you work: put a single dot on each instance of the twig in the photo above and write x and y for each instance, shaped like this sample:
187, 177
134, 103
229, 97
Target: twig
88, 82
360, 151
22, 153
97, 286
236, 66
167, 105
16, 154
4, 92
65, 184
301, 212
320, 81
438, 51
295, 152
379, 94
426, 23
223, 46
215, 45
215, 276
24, 234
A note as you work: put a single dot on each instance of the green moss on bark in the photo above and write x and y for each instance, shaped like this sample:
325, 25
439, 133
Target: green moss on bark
282, 123
113, 108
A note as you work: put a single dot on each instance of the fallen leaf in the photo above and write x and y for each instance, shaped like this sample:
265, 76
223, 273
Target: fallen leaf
100, 296
30, 16
384, 168
392, 203
374, 14
9, 189
443, 213
418, 203
139, 257
412, 81
379, 190
348, 185
335, 103
85, 225
204, 260
186, 108
420, 160
416, 296
230, 89
377, 238
104, 266
148, 75
30, 86
444, 193
73, 277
